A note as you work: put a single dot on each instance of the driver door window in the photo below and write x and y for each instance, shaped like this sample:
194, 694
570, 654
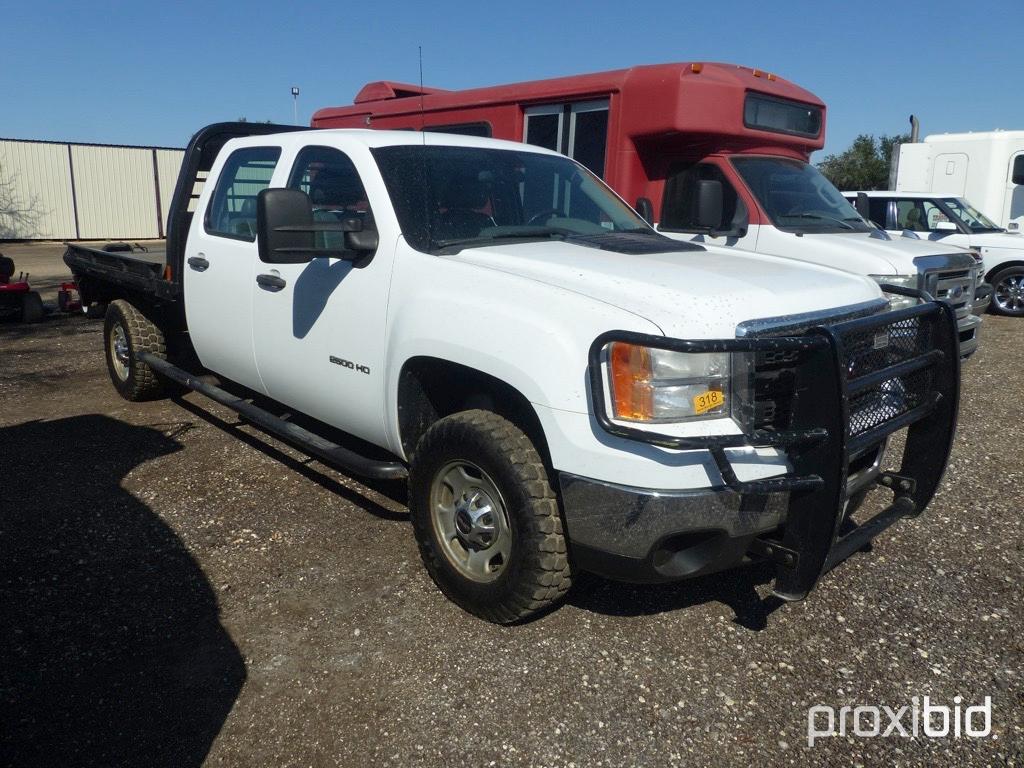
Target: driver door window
679, 207
918, 215
330, 179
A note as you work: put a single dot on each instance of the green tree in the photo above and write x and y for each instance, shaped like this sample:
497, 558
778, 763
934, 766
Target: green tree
865, 165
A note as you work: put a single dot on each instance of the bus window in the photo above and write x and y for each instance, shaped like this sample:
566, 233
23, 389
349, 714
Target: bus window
588, 135
679, 207
578, 130
544, 127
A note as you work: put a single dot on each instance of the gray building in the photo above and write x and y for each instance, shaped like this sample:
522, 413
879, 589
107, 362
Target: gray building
68, 191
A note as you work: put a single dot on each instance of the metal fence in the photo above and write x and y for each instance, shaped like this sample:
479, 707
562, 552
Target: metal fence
67, 191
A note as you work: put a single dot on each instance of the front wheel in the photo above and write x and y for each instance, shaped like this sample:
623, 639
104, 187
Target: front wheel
486, 518
1008, 292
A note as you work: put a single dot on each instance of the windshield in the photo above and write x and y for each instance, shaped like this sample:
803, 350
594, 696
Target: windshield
974, 219
466, 196
797, 197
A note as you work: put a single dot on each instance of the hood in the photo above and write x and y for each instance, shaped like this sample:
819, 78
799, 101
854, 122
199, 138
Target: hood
698, 294
997, 240
865, 254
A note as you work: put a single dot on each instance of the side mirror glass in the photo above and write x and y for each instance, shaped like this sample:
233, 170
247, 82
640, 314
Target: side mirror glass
1018, 170
282, 216
645, 208
709, 204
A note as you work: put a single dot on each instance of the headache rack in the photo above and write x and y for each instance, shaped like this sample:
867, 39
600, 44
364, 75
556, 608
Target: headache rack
828, 394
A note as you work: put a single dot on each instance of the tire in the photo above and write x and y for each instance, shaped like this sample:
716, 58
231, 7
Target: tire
126, 333
1008, 292
521, 568
32, 309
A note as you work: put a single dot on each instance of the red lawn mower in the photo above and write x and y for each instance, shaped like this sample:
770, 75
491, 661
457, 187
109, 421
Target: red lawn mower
17, 299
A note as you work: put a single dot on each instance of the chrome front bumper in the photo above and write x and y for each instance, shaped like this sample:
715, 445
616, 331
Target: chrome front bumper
642, 535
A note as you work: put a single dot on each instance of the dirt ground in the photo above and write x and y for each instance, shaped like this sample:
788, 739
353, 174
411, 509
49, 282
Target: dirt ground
179, 589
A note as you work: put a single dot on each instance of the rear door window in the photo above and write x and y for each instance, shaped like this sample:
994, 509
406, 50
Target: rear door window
232, 209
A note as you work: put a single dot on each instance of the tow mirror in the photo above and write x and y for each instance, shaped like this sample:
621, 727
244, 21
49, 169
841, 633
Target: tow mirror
709, 204
863, 206
645, 208
286, 232
277, 209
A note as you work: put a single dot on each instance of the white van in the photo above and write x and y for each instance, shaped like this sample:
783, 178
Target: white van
986, 168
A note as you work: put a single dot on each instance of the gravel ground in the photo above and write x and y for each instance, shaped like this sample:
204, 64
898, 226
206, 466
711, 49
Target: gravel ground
175, 595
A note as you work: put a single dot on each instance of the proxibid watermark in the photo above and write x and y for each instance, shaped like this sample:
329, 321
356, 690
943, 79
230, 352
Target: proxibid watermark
920, 717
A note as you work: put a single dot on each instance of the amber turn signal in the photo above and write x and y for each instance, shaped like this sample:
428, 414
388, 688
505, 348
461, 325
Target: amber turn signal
632, 393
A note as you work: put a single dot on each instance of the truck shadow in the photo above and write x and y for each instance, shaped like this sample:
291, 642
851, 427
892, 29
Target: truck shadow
396, 491
736, 588
111, 647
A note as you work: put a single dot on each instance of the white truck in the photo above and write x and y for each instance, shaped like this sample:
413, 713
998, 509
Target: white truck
562, 387
986, 168
783, 206
946, 218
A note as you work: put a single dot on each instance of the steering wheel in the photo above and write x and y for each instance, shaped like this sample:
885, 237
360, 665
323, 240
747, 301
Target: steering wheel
537, 218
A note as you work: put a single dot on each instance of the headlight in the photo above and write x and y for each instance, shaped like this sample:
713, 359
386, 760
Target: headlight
657, 385
895, 300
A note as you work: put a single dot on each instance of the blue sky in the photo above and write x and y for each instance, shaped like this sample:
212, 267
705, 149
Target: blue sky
151, 73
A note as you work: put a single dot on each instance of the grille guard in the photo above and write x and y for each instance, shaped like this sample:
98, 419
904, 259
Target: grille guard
820, 442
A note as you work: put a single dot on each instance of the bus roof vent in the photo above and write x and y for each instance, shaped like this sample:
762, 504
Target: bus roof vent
385, 89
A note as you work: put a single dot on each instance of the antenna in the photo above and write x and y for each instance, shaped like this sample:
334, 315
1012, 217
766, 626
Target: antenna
421, 93
427, 191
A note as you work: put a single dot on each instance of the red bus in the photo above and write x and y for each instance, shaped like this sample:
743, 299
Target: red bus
639, 128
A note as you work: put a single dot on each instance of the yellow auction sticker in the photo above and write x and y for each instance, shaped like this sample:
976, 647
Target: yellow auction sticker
708, 401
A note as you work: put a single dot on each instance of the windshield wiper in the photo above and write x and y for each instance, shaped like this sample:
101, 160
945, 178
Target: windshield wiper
820, 217
515, 233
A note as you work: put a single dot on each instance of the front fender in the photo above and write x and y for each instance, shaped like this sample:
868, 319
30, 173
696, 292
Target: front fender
532, 336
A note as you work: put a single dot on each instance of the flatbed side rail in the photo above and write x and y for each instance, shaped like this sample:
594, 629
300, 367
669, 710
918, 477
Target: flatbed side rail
121, 269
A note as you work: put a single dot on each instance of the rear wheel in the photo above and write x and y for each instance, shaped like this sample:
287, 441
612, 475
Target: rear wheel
126, 333
1008, 292
486, 518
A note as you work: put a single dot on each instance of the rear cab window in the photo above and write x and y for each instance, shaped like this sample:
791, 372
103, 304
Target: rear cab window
232, 209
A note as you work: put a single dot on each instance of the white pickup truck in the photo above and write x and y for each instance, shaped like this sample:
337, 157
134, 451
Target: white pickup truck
563, 387
950, 219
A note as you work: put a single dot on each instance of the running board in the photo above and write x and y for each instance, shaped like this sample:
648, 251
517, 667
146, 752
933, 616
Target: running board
332, 453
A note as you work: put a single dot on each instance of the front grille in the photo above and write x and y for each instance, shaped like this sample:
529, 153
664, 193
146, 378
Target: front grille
769, 399
890, 400
955, 287
867, 351
768, 402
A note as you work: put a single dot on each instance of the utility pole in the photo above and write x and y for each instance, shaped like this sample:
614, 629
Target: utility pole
295, 104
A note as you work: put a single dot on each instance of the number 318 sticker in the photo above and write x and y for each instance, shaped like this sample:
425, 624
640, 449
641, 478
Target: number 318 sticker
708, 401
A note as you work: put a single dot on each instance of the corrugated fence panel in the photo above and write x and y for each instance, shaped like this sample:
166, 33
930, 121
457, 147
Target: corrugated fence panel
168, 163
37, 177
116, 192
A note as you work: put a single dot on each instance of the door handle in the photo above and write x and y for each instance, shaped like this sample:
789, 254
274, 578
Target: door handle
271, 282
198, 263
